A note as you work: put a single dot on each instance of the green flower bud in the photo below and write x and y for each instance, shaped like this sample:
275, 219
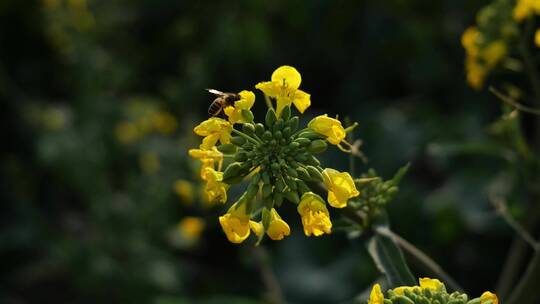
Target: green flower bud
317, 146
259, 129
302, 187
240, 156
292, 196
278, 199
238, 140
314, 173
227, 148
286, 113
312, 160
291, 183
266, 190
291, 172
247, 115
302, 141
303, 174
232, 171
267, 136
280, 185
270, 118
293, 123
278, 135
252, 190
286, 132
248, 128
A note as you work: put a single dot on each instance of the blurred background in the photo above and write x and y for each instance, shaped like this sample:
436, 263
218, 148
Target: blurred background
101, 204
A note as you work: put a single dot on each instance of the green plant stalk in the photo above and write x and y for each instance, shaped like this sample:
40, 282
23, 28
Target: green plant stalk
527, 291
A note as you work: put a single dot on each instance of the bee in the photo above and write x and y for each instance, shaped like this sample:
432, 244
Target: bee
222, 101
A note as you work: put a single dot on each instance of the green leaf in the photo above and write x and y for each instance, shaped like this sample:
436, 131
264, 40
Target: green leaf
400, 173
389, 260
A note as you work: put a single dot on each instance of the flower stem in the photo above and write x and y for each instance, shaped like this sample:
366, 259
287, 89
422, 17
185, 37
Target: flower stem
244, 135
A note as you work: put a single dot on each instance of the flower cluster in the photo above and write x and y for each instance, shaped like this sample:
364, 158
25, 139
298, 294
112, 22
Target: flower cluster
276, 159
488, 43
428, 291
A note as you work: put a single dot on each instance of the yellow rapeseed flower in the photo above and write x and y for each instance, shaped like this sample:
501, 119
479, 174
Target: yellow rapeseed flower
476, 73
537, 38
340, 187
277, 228
469, 40
247, 99
213, 129
235, 223
184, 190
191, 227
215, 189
315, 216
284, 88
376, 296
487, 296
329, 127
208, 158
494, 52
525, 8
257, 228
164, 122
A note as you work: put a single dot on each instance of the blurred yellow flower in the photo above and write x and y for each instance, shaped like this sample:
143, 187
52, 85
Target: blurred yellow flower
315, 216
277, 228
213, 129
235, 223
283, 87
164, 122
476, 73
494, 52
329, 127
247, 99
469, 40
126, 132
184, 190
215, 189
537, 38
525, 8
340, 186
191, 227
149, 162
489, 298
376, 296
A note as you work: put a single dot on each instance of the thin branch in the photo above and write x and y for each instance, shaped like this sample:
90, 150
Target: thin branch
513, 103
501, 207
422, 259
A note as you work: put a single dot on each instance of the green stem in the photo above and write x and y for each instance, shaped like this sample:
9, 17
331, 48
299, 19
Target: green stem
275, 295
244, 135
527, 291
268, 102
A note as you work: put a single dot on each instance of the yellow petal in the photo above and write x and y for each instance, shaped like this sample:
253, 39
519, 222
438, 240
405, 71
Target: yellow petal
269, 88
329, 127
236, 229
301, 100
340, 186
257, 228
486, 296
288, 77
277, 228
427, 283
537, 38
376, 296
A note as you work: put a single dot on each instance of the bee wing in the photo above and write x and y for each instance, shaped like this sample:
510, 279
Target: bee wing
215, 92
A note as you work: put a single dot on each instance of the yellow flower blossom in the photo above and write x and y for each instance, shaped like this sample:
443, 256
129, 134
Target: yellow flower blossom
208, 158
257, 228
329, 127
494, 52
215, 189
476, 73
191, 227
525, 8
469, 40
340, 187
235, 223
214, 129
488, 296
277, 228
315, 216
284, 88
537, 38
247, 99
376, 296
184, 190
